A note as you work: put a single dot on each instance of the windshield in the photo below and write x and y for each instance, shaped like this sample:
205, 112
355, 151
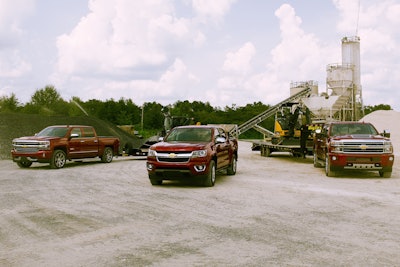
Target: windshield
352, 129
189, 135
53, 131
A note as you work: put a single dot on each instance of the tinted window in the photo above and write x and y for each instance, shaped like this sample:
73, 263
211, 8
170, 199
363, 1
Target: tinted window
189, 134
88, 132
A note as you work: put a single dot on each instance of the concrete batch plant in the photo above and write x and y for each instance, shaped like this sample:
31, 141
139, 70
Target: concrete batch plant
343, 97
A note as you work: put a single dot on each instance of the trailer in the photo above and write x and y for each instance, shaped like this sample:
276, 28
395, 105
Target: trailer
266, 148
292, 146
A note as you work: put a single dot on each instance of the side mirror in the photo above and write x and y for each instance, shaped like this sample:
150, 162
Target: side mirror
386, 133
160, 139
74, 135
220, 140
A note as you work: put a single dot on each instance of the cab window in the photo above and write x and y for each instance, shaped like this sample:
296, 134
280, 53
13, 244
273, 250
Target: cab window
76, 131
88, 132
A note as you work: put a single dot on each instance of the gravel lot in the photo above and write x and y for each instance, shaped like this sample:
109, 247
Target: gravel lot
276, 211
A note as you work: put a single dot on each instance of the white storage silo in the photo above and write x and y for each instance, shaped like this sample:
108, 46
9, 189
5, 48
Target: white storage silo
351, 56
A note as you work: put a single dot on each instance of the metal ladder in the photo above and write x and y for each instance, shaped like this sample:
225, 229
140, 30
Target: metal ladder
269, 112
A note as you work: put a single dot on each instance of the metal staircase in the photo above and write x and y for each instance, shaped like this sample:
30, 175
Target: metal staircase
268, 113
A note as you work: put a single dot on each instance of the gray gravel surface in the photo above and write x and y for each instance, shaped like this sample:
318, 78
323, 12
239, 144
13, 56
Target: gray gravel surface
276, 211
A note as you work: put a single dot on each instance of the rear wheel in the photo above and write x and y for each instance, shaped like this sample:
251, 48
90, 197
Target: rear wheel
58, 159
209, 179
232, 167
328, 167
385, 174
107, 156
24, 163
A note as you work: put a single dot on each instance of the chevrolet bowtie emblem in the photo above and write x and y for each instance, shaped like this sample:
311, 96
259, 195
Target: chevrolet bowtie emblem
172, 155
363, 147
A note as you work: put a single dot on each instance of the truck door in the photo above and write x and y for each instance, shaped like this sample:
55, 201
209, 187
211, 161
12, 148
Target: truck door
74, 150
222, 149
90, 144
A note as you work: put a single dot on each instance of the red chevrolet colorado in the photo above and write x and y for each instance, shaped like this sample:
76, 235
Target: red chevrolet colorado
192, 151
57, 144
353, 146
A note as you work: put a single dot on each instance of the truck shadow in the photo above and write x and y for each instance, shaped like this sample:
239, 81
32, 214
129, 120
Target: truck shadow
192, 182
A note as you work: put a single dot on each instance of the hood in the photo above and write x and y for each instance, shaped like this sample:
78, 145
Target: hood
360, 136
36, 138
178, 146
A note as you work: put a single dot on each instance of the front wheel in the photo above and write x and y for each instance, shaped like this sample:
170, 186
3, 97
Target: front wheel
154, 180
328, 167
209, 179
385, 174
24, 163
232, 167
58, 159
107, 156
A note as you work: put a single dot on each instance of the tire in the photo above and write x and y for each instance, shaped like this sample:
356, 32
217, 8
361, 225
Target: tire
58, 159
154, 180
316, 163
107, 156
232, 167
209, 179
328, 167
385, 174
24, 163
267, 152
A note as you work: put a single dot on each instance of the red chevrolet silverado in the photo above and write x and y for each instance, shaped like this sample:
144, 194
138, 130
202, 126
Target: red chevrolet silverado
192, 151
353, 145
57, 144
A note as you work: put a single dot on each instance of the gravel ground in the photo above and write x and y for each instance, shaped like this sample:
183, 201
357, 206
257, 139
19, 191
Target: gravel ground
276, 211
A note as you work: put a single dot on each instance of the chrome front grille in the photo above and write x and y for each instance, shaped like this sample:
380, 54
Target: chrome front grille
363, 147
28, 146
174, 157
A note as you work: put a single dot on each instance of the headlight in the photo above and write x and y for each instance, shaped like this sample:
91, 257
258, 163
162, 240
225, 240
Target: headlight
44, 144
336, 146
151, 153
387, 147
199, 153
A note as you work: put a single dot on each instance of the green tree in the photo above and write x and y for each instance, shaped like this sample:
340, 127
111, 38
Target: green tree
153, 119
370, 109
47, 101
8, 104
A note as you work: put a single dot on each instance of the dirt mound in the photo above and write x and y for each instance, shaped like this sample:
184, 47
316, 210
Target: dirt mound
386, 120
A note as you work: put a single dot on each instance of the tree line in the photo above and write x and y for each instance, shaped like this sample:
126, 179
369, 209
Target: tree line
146, 118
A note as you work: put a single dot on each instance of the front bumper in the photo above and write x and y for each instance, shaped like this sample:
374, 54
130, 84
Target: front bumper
177, 170
42, 156
382, 162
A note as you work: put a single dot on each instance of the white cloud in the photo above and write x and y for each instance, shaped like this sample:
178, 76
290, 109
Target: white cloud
12, 13
298, 57
119, 35
240, 62
212, 8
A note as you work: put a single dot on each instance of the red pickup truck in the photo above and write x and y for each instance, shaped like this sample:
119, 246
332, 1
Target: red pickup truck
353, 146
192, 151
57, 144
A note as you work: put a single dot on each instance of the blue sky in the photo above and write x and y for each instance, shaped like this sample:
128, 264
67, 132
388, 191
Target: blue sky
226, 52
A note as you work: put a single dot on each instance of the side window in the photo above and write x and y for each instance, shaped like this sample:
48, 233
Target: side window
222, 133
216, 133
77, 131
88, 132
325, 130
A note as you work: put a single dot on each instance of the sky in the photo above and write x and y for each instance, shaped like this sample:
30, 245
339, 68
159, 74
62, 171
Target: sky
225, 52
